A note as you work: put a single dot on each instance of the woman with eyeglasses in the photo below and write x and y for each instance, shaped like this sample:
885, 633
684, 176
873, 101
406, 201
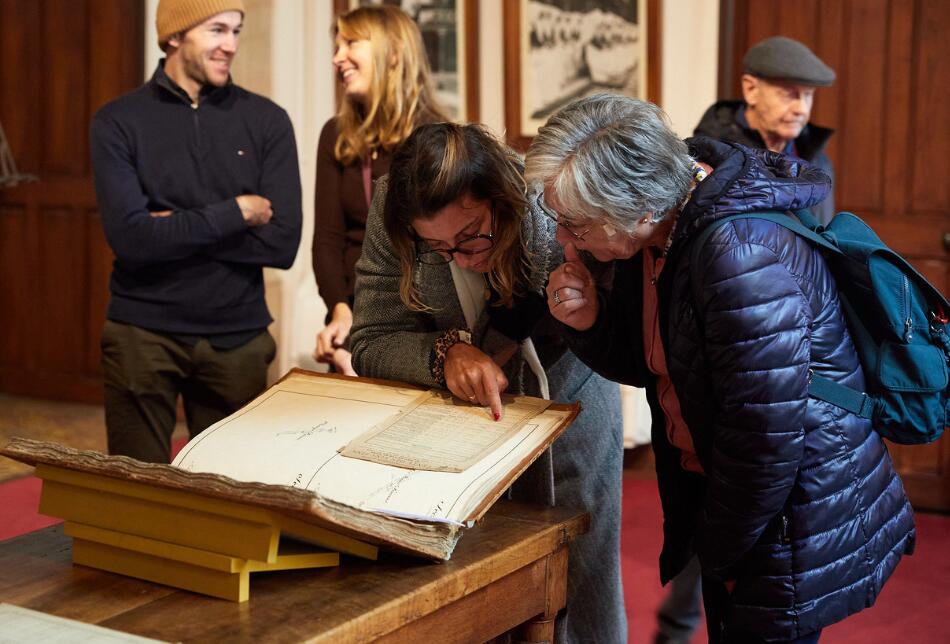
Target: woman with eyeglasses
449, 294
387, 91
791, 503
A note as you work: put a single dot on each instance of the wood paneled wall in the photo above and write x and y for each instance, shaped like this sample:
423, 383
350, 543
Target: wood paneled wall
890, 107
60, 60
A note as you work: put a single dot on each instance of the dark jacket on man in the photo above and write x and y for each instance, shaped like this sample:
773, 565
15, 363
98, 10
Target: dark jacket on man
800, 504
198, 270
725, 120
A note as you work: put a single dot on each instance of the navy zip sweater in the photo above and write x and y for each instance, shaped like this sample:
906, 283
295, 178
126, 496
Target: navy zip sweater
197, 271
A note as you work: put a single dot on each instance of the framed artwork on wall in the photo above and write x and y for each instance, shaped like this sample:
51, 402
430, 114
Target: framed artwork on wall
450, 37
560, 50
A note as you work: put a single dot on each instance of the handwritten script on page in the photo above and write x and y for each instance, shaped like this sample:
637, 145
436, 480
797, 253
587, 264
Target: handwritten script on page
442, 434
293, 434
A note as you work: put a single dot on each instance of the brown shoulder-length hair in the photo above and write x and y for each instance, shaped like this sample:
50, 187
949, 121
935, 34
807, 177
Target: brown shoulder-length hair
401, 94
437, 165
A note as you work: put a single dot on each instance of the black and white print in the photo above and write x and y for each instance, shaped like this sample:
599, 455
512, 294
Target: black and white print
574, 48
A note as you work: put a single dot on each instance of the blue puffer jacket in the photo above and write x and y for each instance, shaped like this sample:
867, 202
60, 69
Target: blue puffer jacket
800, 504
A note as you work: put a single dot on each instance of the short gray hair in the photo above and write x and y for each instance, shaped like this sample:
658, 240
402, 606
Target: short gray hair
611, 157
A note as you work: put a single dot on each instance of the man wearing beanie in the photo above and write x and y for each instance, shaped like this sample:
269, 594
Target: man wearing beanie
778, 88
199, 189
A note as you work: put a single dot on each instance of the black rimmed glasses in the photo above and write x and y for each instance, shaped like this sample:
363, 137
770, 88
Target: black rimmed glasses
550, 214
469, 246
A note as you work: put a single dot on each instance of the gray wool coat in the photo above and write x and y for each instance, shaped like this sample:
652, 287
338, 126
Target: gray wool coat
583, 469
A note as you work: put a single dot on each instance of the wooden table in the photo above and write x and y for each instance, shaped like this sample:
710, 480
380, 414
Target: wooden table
508, 572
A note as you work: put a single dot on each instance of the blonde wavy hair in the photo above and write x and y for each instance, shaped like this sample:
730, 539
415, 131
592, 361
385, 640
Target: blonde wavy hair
401, 94
439, 164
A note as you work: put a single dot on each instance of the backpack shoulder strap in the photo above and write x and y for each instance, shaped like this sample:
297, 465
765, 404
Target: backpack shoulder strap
796, 224
802, 224
697, 244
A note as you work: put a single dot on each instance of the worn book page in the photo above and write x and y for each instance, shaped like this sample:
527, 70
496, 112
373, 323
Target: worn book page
443, 434
292, 433
19, 624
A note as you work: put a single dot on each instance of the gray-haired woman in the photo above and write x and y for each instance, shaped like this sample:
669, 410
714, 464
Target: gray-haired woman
792, 504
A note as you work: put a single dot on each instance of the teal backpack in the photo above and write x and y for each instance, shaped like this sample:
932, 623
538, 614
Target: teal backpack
898, 323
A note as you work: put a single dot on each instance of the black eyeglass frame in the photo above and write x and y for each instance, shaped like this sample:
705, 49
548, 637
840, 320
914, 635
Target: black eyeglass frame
553, 216
450, 252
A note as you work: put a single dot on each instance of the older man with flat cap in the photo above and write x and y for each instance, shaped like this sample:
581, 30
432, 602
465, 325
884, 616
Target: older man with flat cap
778, 88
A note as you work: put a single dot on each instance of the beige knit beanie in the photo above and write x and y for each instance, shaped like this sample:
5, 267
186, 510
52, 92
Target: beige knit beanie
176, 16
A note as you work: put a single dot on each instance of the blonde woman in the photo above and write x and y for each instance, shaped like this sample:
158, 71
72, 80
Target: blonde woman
387, 92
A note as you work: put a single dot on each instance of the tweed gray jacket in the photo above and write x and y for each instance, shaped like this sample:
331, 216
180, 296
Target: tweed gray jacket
388, 340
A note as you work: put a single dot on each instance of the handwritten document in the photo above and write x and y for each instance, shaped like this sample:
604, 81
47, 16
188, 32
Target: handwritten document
442, 434
25, 625
293, 434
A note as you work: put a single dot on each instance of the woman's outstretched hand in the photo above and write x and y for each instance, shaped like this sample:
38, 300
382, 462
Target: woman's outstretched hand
572, 295
474, 376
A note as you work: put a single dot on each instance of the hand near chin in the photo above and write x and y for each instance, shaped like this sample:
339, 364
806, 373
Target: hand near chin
572, 294
474, 376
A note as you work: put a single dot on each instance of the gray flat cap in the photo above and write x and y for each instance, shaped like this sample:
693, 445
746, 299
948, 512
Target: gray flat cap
781, 57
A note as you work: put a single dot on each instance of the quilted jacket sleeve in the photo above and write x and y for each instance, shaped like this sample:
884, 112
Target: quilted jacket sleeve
756, 322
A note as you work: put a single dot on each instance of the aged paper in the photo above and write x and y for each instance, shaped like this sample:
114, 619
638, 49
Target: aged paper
442, 434
19, 624
292, 435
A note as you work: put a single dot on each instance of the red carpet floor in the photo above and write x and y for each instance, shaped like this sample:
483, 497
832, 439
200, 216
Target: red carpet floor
913, 608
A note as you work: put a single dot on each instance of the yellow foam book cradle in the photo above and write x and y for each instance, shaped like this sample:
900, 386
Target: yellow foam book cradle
182, 539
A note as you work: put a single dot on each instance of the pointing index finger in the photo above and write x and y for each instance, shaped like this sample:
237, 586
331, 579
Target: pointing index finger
494, 398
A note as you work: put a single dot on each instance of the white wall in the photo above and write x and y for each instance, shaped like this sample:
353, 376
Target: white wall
301, 80
690, 48
491, 52
303, 83
152, 52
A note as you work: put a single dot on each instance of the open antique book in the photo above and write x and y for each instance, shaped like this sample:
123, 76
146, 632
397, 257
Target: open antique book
371, 461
